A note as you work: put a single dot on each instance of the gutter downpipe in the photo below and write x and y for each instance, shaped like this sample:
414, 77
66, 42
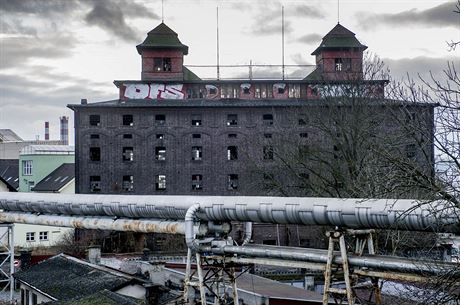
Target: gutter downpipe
247, 233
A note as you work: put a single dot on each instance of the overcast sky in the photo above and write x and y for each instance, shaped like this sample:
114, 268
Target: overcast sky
55, 52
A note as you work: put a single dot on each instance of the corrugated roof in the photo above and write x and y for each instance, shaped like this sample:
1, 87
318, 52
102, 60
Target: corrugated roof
47, 149
162, 37
339, 37
7, 135
9, 173
64, 277
57, 179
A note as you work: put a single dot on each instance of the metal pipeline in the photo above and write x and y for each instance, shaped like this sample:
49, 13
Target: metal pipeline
247, 233
320, 256
350, 213
97, 223
190, 219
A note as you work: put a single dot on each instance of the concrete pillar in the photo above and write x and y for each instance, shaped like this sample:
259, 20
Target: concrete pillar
94, 254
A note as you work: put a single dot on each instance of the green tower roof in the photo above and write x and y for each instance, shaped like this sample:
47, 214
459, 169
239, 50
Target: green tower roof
162, 37
338, 38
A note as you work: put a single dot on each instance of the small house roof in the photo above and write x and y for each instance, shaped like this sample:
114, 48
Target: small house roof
337, 38
57, 179
9, 173
48, 149
162, 37
7, 135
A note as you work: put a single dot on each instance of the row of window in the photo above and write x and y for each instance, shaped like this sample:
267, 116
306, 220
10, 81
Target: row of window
160, 153
196, 120
127, 184
42, 236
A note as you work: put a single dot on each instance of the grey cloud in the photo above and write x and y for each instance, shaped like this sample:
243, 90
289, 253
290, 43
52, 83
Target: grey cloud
37, 7
310, 38
421, 65
303, 10
17, 51
271, 27
438, 16
15, 26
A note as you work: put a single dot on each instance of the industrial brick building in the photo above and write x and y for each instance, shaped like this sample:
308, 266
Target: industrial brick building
173, 133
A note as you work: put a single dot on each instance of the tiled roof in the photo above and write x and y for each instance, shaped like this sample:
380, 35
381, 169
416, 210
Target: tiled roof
7, 135
9, 173
162, 37
339, 37
104, 297
57, 179
64, 277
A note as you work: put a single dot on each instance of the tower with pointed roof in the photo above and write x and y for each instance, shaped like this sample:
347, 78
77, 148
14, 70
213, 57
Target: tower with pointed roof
162, 55
339, 56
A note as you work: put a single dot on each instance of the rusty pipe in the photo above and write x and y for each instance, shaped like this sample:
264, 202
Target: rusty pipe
98, 223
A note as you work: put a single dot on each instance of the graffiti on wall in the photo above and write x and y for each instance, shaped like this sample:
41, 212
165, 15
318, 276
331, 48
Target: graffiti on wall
154, 91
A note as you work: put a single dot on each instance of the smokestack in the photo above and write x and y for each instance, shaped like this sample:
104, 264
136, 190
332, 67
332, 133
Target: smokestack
65, 129
47, 131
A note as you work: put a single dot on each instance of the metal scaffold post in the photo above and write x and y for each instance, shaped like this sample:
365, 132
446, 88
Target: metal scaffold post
7, 263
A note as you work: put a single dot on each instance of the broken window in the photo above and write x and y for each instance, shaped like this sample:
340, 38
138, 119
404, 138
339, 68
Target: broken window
162, 64
128, 120
197, 153
232, 119
302, 120
268, 152
195, 92
196, 120
128, 154
229, 91
160, 119
232, 135
268, 135
160, 153
128, 183
267, 119
94, 120
303, 135
196, 136
232, 182
232, 153
263, 90
160, 182
197, 182
160, 136
94, 136
95, 153
127, 136
294, 91
342, 64
95, 184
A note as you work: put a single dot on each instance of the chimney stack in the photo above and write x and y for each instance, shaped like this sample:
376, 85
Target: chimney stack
84, 101
65, 129
94, 254
47, 131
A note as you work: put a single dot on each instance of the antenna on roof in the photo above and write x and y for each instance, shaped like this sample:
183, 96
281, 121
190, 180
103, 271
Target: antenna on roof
338, 11
282, 38
162, 11
217, 29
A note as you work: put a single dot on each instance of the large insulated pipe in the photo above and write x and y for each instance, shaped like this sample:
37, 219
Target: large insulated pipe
380, 262
96, 223
350, 213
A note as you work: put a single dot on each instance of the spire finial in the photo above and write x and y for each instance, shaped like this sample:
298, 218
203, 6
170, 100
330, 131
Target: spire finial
338, 11
162, 11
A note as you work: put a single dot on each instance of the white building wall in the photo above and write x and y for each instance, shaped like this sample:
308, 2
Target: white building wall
55, 234
3, 187
40, 297
134, 291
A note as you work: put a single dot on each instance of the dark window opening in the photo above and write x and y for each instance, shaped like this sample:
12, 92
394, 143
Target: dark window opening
160, 153
232, 135
232, 182
270, 242
342, 64
197, 153
411, 150
303, 135
160, 182
160, 119
280, 90
128, 154
95, 184
213, 91
232, 120
294, 91
246, 90
197, 182
196, 120
128, 120
94, 120
162, 64
195, 92
232, 153
160, 136
128, 183
95, 153
267, 119
196, 136
127, 136
268, 152
94, 136
302, 120
268, 135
